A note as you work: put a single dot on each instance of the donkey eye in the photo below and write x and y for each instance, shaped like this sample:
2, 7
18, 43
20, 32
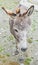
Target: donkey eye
16, 30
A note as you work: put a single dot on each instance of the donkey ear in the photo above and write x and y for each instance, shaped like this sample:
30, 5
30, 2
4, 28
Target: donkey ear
30, 11
9, 12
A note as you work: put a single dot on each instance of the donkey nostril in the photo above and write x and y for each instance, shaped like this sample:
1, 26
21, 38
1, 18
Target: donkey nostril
23, 49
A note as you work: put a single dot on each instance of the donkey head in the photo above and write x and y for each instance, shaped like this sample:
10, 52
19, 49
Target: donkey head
19, 24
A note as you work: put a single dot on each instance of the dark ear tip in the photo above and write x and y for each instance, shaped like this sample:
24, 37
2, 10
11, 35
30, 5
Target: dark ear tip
32, 6
2, 7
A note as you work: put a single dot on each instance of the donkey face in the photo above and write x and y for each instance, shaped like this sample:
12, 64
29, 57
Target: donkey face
19, 25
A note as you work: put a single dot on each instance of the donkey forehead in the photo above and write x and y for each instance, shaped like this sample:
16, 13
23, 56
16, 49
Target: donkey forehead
22, 22
19, 25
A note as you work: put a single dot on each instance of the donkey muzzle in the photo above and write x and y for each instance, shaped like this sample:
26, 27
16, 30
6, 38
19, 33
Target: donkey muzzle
23, 49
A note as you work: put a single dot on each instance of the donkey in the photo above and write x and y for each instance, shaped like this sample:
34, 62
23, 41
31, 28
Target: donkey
19, 24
